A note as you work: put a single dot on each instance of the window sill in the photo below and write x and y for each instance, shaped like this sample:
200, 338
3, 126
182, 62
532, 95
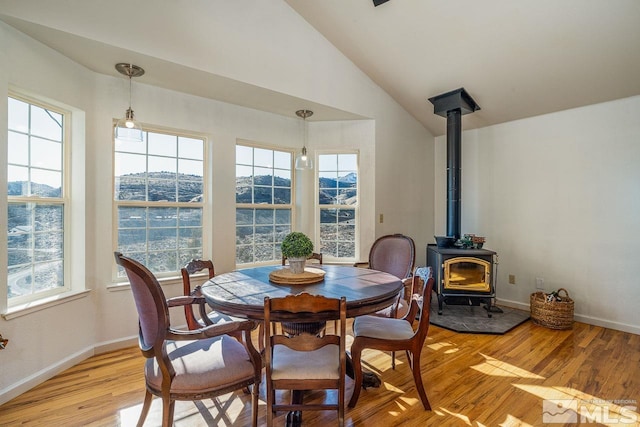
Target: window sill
164, 281
42, 304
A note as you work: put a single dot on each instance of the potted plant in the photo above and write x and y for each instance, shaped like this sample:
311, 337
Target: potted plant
297, 247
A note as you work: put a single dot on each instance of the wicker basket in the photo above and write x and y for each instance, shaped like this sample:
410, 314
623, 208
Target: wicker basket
552, 314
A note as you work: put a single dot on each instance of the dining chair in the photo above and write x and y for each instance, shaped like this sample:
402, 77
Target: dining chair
195, 266
395, 254
392, 334
206, 318
314, 256
188, 365
305, 361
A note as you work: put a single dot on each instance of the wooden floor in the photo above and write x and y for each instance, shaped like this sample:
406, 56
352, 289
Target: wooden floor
471, 380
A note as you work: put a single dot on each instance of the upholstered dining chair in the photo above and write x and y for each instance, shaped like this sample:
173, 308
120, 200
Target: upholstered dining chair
305, 361
313, 256
395, 254
391, 334
188, 365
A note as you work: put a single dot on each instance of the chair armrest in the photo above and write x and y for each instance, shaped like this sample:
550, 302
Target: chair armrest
183, 300
227, 328
414, 308
408, 288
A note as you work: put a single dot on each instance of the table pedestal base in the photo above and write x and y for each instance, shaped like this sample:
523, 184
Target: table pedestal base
369, 379
294, 419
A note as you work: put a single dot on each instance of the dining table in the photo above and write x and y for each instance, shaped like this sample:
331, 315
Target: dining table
241, 293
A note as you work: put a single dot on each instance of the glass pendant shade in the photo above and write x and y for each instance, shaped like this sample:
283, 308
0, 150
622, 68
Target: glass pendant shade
304, 161
128, 128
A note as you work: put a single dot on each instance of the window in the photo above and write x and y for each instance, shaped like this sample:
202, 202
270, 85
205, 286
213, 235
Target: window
338, 204
263, 203
159, 200
37, 202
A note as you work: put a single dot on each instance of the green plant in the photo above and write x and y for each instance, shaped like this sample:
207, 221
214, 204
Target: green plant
297, 245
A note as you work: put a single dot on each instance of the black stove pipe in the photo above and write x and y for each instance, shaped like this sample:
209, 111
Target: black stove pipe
453, 105
454, 172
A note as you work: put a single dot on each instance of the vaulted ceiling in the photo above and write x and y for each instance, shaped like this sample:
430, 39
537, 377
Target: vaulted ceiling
517, 59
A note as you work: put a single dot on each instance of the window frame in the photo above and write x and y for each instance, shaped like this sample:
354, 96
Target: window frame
319, 207
204, 205
291, 206
64, 200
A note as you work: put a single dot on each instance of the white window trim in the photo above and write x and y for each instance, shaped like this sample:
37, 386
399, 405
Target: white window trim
291, 206
74, 220
318, 207
121, 283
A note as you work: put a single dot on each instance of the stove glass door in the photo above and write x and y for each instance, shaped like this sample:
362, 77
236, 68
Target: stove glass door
467, 274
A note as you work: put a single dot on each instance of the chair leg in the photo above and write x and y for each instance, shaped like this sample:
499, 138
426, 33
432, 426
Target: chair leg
270, 402
356, 354
341, 395
148, 397
254, 405
393, 360
168, 406
417, 377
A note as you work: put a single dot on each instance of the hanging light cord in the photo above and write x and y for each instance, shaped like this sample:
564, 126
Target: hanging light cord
130, 71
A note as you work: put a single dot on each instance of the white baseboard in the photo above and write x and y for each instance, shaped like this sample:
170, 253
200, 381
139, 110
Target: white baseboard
51, 371
590, 320
108, 346
41, 376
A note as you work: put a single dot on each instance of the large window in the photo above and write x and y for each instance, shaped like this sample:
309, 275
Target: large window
338, 204
263, 203
37, 203
158, 192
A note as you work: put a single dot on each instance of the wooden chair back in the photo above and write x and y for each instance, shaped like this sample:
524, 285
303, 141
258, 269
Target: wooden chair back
303, 308
195, 266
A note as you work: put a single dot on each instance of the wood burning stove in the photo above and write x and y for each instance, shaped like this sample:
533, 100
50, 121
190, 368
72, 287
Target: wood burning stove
463, 276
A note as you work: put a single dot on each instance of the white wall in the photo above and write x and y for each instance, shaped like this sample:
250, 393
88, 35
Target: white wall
59, 336
404, 193
45, 342
558, 197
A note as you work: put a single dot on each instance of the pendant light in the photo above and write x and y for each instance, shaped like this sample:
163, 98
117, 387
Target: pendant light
128, 128
303, 161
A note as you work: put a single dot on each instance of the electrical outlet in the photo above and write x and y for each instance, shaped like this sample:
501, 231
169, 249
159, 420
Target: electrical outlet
539, 282
381, 218
512, 279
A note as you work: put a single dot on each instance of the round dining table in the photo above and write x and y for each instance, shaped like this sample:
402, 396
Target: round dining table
241, 293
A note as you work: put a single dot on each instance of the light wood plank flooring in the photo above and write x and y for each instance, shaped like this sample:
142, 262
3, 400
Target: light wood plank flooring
471, 380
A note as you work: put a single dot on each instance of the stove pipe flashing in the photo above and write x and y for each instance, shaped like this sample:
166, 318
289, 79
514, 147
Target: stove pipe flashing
453, 105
